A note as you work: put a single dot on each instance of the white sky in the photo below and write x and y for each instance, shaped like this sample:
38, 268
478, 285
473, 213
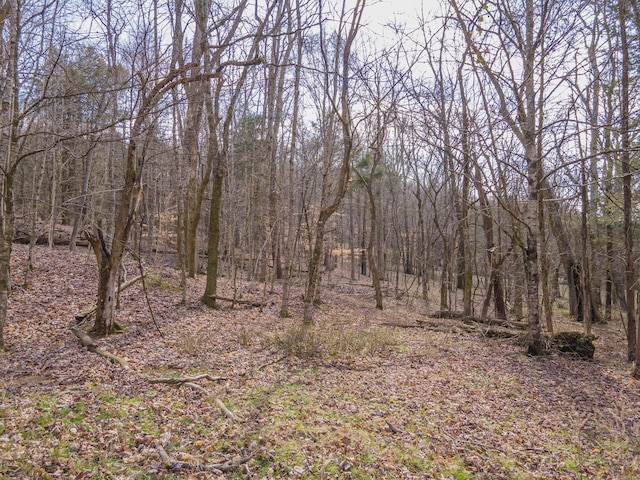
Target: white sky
382, 12
407, 14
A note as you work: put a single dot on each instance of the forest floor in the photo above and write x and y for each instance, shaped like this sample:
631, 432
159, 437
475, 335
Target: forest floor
352, 398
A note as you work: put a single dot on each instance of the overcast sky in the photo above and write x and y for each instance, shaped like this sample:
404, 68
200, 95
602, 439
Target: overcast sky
404, 11
380, 13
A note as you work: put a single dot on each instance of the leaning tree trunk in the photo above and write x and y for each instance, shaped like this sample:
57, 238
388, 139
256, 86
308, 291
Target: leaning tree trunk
109, 260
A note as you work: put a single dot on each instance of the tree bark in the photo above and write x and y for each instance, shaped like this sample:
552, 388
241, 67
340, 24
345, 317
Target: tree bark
81, 209
465, 234
8, 146
632, 352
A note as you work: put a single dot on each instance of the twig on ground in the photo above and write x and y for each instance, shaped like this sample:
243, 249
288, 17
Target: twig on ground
181, 380
392, 428
189, 382
173, 464
273, 362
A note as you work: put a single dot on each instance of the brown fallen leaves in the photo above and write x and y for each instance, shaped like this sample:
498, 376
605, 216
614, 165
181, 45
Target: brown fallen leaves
424, 404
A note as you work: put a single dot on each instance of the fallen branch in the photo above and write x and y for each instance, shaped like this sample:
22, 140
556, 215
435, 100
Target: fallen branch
189, 382
84, 314
393, 429
227, 413
172, 464
403, 325
197, 388
273, 362
88, 342
180, 381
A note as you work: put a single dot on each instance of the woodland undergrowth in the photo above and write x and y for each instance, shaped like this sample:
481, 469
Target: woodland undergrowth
350, 397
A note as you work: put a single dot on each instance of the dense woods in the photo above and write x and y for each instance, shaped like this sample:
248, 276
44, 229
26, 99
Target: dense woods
477, 160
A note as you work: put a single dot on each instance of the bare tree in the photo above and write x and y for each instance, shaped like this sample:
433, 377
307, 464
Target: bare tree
295, 25
630, 279
517, 21
219, 120
337, 91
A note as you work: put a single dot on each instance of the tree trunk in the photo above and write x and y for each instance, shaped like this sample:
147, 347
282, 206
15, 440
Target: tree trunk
215, 209
219, 147
81, 209
109, 261
6, 239
528, 118
131, 195
5, 282
9, 123
626, 188
107, 283
465, 234
292, 233
371, 254
495, 279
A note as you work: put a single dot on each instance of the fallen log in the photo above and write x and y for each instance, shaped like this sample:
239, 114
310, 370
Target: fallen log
453, 315
459, 327
575, 344
233, 301
87, 342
